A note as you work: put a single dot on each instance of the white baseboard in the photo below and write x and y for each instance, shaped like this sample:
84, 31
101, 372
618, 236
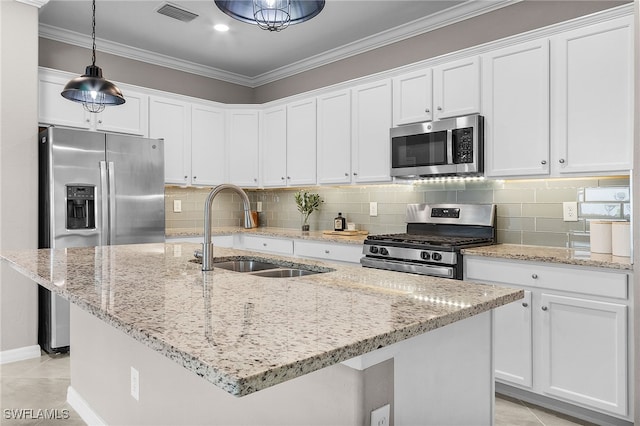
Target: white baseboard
83, 409
19, 354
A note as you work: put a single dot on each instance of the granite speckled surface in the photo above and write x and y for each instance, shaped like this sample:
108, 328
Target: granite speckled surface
269, 232
243, 332
551, 255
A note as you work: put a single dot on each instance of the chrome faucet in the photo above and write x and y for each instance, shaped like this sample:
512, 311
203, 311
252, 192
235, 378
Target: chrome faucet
207, 245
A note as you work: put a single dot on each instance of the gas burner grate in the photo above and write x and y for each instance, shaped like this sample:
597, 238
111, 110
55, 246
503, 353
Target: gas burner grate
432, 240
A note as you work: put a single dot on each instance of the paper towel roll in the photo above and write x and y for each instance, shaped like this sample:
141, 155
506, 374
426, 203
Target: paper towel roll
600, 236
621, 239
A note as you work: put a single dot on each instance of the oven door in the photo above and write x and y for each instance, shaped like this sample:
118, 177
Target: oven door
409, 267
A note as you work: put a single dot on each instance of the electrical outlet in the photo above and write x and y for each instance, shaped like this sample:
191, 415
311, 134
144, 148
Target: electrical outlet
373, 208
380, 416
177, 206
259, 206
135, 384
570, 211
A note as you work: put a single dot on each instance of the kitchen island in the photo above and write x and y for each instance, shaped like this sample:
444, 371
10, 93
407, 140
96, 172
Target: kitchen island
227, 347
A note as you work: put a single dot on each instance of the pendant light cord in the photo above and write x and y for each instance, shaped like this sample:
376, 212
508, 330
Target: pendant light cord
93, 35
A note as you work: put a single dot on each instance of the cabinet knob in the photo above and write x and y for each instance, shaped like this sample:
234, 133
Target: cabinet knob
87, 120
99, 121
346, 174
355, 173
561, 161
525, 304
288, 177
544, 308
264, 244
327, 251
543, 162
195, 177
534, 276
427, 110
439, 108
282, 178
185, 176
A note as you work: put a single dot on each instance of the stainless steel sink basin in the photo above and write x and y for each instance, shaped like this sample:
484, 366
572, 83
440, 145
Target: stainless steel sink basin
285, 273
244, 265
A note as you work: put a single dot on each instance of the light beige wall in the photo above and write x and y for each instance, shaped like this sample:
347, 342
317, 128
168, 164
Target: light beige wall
18, 168
66, 57
510, 20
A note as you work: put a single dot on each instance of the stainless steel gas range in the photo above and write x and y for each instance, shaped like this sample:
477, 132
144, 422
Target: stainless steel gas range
435, 235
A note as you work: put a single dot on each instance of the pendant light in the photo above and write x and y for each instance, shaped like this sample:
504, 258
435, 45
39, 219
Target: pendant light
271, 15
91, 89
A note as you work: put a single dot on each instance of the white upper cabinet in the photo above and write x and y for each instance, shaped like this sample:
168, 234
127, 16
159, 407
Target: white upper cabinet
274, 146
207, 145
334, 138
243, 137
412, 97
456, 88
592, 102
54, 109
515, 105
370, 140
301, 142
170, 119
131, 118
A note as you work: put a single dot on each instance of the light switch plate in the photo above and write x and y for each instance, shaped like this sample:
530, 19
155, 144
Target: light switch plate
373, 208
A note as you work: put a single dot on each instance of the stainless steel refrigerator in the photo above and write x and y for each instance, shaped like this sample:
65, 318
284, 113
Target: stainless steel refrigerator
94, 189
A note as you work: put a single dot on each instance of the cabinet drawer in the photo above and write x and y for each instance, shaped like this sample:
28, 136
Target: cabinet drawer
531, 274
271, 245
339, 252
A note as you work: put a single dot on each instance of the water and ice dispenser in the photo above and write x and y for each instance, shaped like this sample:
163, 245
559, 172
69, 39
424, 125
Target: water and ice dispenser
81, 207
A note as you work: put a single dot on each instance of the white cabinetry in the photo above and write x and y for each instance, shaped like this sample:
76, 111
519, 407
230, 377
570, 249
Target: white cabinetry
579, 350
274, 146
301, 142
592, 101
243, 143
412, 97
371, 121
515, 97
266, 244
207, 145
349, 253
170, 119
334, 138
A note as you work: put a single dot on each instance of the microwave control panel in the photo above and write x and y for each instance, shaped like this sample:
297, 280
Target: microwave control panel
462, 145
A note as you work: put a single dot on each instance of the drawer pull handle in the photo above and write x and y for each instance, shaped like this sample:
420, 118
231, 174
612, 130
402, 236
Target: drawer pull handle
525, 304
544, 308
327, 251
264, 244
534, 276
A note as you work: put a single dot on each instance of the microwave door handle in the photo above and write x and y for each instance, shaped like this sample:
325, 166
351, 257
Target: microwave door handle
449, 147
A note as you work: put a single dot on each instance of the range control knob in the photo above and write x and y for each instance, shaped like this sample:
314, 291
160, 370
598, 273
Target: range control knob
384, 251
425, 255
436, 256
373, 249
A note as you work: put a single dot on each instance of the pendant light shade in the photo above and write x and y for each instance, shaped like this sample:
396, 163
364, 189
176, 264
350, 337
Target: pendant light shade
271, 15
91, 89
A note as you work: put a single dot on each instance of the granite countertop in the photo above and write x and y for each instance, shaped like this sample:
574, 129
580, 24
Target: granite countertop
270, 232
243, 332
551, 255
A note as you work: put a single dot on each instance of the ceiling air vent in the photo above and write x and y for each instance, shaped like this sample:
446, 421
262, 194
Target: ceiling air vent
176, 13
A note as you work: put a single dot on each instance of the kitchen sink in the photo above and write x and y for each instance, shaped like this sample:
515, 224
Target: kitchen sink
262, 267
286, 273
244, 265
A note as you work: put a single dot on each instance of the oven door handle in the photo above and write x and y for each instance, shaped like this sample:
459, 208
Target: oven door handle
412, 268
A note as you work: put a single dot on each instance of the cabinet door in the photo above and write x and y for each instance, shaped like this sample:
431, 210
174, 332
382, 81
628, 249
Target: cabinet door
456, 88
56, 110
207, 145
132, 117
593, 98
334, 138
515, 93
412, 97
513, 342
370, 140
301, 142
242, 146
170, 120
273, 145
584, 352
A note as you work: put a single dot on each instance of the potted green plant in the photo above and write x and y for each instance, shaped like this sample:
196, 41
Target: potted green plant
307, 203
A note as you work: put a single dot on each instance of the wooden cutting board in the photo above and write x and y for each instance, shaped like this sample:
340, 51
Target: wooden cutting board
346, 233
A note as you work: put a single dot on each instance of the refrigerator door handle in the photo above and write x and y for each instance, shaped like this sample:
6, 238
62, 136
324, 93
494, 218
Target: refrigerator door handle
112, 202
104, 205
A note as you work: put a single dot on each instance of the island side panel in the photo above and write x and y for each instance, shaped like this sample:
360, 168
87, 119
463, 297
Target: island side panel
101, 363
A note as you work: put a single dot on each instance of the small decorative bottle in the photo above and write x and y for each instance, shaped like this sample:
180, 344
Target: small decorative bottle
339, 223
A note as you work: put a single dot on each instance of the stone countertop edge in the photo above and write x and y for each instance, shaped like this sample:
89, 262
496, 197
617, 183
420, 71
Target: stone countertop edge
244, 384
557, 255
318, 236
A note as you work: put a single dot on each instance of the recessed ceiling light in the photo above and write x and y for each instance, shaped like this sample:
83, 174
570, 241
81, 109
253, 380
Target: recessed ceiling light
221, 27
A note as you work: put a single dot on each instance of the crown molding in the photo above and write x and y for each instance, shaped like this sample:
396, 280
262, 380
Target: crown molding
420, 26
36, 3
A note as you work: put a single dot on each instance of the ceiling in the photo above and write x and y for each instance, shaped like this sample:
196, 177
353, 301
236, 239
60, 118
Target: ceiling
246, 54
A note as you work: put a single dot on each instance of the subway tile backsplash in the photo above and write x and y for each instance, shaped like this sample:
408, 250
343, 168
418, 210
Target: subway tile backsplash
529, 211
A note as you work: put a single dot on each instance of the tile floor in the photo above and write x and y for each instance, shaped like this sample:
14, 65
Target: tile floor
41, 383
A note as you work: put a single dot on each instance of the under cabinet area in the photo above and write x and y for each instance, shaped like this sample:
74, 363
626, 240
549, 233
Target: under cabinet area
568, 338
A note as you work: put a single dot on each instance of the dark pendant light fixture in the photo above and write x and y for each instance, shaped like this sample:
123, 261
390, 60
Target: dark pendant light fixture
90, 89
271, 15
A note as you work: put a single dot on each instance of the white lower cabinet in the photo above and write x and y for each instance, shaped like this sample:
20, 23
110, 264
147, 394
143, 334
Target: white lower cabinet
568, 338
349, 253
266, 244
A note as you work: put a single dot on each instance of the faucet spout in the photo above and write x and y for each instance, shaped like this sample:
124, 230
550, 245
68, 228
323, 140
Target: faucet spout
207, 245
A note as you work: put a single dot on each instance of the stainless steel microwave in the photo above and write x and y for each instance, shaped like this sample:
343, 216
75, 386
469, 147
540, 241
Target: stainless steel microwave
451, 147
